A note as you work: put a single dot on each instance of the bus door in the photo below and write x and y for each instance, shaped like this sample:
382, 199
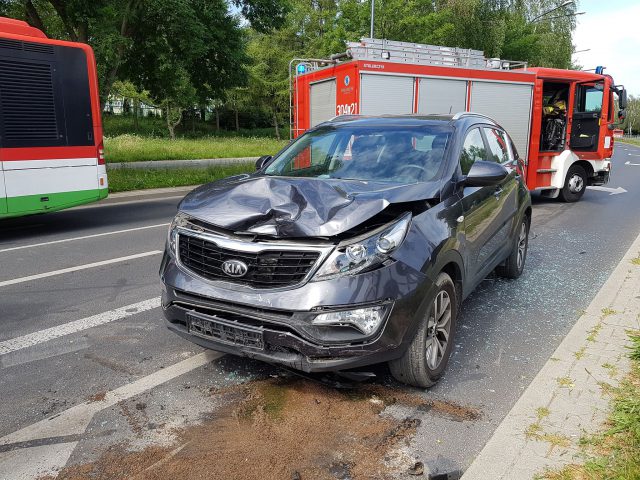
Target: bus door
587, 113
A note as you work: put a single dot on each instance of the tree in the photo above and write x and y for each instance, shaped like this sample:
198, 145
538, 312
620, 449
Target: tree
268, 74
128, 90
113, 27
185, 52
631, 122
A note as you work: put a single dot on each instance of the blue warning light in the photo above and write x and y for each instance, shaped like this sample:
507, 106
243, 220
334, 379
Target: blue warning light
599, 70
301, 68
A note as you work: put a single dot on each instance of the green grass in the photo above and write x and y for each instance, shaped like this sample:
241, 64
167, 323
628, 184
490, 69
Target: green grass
125, 179
615, 453
133, 148
114, 125
632, 141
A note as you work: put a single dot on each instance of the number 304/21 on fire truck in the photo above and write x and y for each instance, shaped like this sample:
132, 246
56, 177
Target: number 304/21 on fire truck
561, 121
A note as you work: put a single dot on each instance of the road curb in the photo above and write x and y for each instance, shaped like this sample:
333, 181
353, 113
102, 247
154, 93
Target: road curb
568, 397
200, 163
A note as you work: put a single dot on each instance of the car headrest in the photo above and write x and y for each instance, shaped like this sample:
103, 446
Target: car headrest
439, 141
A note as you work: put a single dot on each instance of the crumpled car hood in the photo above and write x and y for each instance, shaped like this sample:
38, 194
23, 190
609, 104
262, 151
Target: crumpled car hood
296, 207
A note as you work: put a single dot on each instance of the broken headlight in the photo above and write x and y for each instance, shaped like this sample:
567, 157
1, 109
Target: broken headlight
356, 255
180, 220
365, 320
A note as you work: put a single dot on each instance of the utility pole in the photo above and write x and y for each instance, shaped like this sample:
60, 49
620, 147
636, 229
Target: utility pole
373, 3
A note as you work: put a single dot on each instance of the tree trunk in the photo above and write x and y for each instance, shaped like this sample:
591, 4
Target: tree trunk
61, 9
120, 50
217, 119
136, 112
275, 123
33, 17
170, 126
237, 120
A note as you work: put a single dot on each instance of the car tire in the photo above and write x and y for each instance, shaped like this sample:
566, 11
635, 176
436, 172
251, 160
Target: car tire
514, 264
575, 184
427, 356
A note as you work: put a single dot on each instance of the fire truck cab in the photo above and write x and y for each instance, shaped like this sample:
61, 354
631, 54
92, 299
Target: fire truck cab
561, 121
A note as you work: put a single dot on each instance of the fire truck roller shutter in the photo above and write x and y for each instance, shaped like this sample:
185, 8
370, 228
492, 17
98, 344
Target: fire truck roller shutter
509, 104
386, 94
323, 101
438, 95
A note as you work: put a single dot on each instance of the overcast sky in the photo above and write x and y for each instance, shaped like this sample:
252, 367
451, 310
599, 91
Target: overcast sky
611, 30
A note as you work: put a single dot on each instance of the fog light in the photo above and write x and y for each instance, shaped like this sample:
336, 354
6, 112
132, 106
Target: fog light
366, 320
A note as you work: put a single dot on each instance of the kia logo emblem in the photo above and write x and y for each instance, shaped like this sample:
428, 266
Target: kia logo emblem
235, 268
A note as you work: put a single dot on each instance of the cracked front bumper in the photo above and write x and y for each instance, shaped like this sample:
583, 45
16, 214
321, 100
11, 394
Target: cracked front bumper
276, 327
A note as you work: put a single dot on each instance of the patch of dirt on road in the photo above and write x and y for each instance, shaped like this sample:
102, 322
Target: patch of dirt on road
281, 428
98, 396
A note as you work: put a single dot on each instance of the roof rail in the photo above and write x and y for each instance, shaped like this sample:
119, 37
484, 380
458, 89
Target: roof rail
344, 117
469, 114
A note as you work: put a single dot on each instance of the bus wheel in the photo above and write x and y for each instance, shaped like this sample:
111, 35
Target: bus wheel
574, 184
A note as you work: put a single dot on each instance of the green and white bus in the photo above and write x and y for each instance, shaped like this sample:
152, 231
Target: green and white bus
51, 150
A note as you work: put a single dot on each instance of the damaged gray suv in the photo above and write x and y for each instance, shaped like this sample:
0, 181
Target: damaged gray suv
354, 245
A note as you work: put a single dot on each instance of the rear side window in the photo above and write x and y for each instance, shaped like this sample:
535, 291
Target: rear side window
498, 146
45, 99
472, 150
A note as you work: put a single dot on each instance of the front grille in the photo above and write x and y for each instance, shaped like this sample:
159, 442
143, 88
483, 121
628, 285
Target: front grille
266, 269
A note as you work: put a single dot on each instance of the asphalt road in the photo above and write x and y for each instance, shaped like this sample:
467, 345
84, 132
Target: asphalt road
83, 265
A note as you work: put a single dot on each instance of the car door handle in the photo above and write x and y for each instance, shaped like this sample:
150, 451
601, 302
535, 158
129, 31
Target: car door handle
498, 192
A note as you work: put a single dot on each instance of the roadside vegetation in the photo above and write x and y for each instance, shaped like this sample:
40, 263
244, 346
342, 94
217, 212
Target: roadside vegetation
632, 141
615, 453
125, 179
134, 148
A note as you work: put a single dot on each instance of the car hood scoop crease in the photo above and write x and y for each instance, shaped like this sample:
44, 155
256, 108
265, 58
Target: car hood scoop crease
297, 207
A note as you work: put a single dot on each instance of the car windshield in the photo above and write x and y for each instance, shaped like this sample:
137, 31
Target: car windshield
385, 154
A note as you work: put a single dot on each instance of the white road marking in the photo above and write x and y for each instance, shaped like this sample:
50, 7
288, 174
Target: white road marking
106, 203
629, 163
75, 420
612, 191
47, 334
633, 154
86, 266
35, 462
84, 237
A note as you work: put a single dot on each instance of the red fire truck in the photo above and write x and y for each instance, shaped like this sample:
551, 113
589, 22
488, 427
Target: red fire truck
561, 121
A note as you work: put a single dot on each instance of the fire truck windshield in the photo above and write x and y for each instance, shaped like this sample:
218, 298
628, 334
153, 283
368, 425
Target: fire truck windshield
391, 154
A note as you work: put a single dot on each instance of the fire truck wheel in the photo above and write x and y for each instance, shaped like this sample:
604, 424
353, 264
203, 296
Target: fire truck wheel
514, 264
574, 184
426, 358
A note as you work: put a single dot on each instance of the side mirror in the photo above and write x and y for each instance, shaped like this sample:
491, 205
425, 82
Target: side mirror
485, 174
263, 161
622, 98
622, 114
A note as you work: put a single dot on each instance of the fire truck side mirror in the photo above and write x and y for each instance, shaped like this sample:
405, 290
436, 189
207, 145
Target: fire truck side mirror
262, 161
622, 99
622, 114
485, 174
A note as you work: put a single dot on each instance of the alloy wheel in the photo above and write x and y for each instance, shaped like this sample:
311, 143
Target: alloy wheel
522, 245
438, 330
